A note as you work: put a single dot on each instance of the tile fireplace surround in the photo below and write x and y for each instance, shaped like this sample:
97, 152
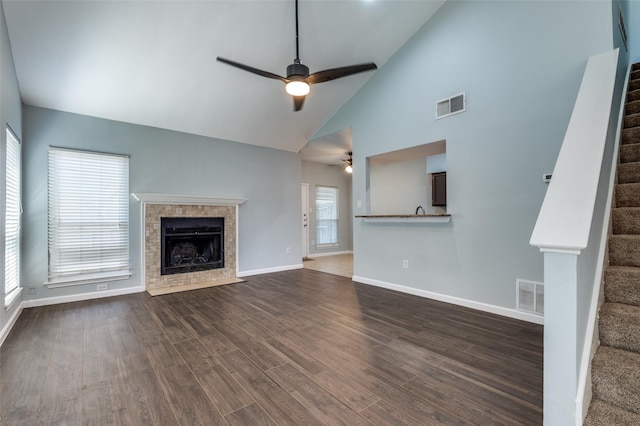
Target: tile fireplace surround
156, 206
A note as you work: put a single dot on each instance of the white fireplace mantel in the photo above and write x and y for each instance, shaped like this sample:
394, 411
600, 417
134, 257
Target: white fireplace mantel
194, 200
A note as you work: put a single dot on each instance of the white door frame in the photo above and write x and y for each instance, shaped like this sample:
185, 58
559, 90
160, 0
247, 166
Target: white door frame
304, 191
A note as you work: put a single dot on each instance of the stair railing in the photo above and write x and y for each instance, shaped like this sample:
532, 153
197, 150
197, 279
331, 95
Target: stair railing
571, 232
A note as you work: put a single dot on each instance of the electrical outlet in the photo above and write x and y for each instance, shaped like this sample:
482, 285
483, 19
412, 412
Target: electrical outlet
32, 289
288, 250
103, 287
359, 204
405, 264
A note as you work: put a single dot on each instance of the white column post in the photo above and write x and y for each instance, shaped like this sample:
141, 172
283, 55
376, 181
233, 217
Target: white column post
561, 365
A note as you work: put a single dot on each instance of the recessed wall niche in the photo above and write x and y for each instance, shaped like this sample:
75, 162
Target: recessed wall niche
398, 182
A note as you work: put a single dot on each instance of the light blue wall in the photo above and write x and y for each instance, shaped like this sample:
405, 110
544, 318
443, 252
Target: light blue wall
520, 64
321, 174
167, 162
633, 29
10, 114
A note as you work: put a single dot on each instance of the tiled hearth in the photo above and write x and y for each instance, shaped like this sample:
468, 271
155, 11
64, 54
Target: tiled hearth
154, 210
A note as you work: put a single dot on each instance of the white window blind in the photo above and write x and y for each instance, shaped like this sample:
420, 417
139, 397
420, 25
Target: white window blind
12, 221
326, 215
88, 196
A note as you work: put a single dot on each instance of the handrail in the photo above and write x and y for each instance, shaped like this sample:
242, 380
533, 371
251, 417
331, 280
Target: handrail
565, 218
568, 216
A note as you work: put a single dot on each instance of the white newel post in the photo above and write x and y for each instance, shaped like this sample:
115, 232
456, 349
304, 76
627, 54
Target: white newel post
561, 365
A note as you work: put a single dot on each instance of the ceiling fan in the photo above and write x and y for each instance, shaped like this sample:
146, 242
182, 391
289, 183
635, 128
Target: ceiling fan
348, 163
298, 80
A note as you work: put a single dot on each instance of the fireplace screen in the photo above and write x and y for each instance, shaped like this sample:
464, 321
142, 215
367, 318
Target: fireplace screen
192, 244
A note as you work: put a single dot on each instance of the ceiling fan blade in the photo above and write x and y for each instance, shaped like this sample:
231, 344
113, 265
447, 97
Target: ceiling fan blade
251, 69
298, 101
333, 73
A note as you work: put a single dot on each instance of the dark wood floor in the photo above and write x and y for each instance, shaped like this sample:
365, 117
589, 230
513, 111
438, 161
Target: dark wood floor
291, 348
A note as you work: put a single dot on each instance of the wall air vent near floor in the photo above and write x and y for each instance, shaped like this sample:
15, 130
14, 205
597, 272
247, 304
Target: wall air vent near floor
452, 105
530, 296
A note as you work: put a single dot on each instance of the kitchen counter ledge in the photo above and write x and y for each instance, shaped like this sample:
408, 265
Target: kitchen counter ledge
406, 218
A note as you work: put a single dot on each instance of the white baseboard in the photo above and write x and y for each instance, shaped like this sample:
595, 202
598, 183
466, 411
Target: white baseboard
329, 253
241, 274
499, 310
12, 321
83, 296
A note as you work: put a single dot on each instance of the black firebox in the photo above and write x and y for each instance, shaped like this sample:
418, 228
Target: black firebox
191, 244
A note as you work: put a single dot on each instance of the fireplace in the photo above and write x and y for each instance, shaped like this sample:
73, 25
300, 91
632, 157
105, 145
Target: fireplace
191, 244
158, 206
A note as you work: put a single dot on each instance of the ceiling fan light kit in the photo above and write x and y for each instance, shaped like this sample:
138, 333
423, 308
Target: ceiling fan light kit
298, 80
297, 88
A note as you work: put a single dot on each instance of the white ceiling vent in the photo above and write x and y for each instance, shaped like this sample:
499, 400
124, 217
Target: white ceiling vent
530, 296
450, 106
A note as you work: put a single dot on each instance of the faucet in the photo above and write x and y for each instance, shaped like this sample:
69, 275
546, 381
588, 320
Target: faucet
418, 209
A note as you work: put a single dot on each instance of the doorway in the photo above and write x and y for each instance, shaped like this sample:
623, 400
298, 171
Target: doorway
304, 192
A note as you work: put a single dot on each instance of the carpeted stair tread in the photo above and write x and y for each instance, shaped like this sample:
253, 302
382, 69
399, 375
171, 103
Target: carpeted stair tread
635, 74
629, 173
633, 95
622, 285
630, 153
619, 326
632, 107
624, 250
634, 85
616, 378
628, 195
631, 135
602, 414
632, 120
625, 220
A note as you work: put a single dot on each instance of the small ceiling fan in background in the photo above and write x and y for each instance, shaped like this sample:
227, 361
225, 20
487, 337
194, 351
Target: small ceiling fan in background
298, 80
349, 163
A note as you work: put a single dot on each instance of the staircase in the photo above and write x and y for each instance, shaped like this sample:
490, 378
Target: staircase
615, 369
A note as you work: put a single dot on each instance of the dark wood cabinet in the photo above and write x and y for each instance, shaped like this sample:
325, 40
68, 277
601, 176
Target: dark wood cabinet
439, 189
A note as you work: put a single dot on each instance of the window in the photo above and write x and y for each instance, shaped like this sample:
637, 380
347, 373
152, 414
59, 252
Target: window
327, 215
12, 221
88, 196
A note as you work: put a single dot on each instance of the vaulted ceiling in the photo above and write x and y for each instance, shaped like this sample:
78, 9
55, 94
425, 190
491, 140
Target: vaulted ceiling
154, 62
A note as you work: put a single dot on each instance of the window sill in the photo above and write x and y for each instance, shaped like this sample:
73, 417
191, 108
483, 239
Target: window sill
327, 246
11, 298
88, 279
